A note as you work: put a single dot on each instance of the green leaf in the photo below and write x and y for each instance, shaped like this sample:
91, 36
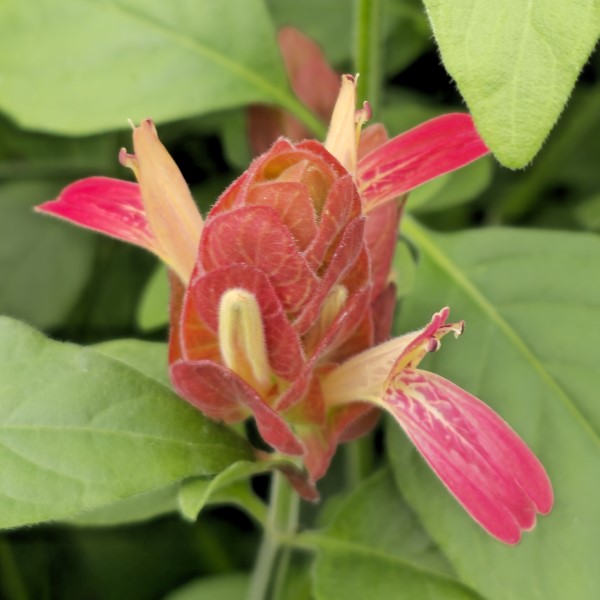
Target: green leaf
153, 310
133, 509
215, 587
109, 305
406, 33
515, 64
376, 548
587, 213
405, 268
79, 430
44, 264
453, 188
25, 154
104, 62
530, 300
149, 358
229, 486
331, 30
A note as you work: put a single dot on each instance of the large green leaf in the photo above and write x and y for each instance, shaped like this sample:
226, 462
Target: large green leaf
80, 430
515, 63
331, 30
531, 301
376, 548
44, 264
104, 61
150, 358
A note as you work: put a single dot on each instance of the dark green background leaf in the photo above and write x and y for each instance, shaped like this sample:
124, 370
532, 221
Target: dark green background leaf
532, 308
44, 264
376, 548
218, 587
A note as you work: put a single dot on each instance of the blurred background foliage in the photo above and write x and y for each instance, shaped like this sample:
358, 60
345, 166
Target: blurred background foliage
80, 287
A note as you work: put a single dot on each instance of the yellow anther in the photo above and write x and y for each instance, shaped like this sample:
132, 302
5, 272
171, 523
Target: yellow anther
331, 308
242, 338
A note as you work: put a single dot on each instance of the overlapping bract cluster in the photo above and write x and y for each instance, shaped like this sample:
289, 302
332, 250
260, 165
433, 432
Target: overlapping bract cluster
290, 232
282, 302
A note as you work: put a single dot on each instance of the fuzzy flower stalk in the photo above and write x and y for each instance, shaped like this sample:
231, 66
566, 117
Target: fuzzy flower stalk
282, 302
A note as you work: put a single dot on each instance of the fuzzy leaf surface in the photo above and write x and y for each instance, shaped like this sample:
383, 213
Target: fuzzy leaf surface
515, 64
79, 430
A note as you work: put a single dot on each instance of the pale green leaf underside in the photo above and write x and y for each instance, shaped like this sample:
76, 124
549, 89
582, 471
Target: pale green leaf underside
84, 66
79, 430
515, 63
230, 486
531, 302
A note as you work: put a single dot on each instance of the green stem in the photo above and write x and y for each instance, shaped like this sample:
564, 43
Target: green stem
11, 583
282, 520
359, 460
367, 57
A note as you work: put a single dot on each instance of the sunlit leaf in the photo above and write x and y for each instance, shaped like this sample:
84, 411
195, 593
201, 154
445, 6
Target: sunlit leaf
79, 430
104, 62
515, 63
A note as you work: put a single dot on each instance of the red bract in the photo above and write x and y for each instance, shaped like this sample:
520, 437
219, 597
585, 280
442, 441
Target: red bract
281, 293
281, 302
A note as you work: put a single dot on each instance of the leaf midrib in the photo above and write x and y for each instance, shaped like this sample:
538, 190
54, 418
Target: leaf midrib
90, 430
426, 244
325, 541
280, 95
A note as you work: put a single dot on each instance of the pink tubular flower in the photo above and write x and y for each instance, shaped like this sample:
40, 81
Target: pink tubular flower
281, 302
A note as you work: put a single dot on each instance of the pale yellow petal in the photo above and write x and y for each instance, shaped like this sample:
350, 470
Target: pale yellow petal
341, 137
170, 208
362, 377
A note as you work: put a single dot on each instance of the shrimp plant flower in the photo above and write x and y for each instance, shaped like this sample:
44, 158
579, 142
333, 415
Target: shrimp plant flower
282, 302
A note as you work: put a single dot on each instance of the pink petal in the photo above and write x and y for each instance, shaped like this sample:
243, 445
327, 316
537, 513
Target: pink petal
110, 206
429, 150
222, 395
478, 457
